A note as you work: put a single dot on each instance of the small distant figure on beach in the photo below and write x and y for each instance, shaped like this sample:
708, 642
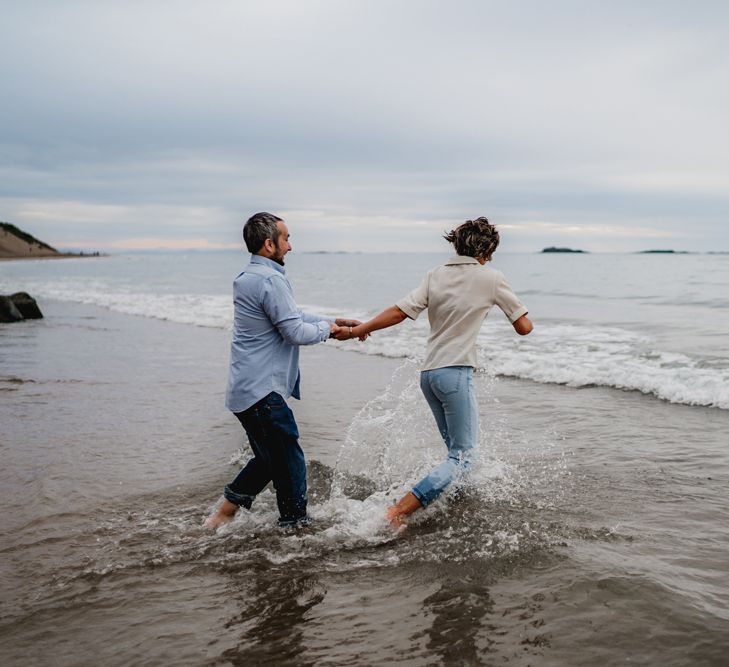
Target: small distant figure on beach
264, 371
458, 296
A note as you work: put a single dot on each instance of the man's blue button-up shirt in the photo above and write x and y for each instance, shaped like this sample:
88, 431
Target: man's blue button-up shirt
267, 331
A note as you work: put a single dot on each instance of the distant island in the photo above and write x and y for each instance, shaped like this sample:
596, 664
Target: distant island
663, 252
332, 252
17, 244
555, 249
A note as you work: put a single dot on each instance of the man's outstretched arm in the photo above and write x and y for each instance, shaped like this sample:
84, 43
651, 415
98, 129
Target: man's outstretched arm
279, 306
339, 321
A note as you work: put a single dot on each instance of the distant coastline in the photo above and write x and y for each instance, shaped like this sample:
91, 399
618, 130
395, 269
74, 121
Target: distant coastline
18, 244
332, 252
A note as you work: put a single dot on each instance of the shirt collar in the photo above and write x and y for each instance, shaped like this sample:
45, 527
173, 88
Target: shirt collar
461, 259
259, 259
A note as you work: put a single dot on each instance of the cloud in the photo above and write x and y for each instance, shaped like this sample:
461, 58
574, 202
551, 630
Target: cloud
69, 222
154, 243
534, 228
699, 182
173, 121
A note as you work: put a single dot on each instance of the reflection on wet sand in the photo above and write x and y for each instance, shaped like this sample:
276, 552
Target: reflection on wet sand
274, 605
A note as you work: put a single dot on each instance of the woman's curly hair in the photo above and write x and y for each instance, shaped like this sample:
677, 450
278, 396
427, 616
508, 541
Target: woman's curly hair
474, 238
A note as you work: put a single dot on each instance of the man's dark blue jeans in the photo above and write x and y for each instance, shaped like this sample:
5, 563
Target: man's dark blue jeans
277, 457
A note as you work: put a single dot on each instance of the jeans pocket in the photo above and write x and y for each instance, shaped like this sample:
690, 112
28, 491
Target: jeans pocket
447, 381
280, 417
275, 400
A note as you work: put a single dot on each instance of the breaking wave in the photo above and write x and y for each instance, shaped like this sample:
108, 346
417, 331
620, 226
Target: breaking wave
566, 354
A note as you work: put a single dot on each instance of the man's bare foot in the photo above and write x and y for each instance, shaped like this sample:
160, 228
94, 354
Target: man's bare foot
224, 513
401, 509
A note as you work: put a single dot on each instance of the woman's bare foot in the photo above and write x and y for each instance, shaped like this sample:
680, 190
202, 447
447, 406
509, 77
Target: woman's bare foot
402, 508
224, 513
395, 519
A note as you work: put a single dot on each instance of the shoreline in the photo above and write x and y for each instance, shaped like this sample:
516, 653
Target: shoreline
643, 393
69, 255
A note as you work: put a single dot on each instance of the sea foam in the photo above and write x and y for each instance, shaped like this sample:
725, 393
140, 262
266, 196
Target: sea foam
568, 354
579, 356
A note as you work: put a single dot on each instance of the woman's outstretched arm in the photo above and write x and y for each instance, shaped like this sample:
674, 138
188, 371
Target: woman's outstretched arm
387, 318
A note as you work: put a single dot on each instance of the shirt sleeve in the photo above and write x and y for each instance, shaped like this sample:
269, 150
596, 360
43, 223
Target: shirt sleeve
278, 304
313, 318
508, 301
417, 301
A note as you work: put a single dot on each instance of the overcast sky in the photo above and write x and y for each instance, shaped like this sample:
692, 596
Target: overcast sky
367, 125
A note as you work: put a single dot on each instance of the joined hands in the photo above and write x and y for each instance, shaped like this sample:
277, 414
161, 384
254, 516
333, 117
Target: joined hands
346, 329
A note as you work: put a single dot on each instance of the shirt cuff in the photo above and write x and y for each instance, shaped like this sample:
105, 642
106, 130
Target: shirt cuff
412, 314
519, 312
324, 329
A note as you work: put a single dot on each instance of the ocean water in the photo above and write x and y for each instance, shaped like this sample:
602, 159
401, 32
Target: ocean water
593, 530
657, 324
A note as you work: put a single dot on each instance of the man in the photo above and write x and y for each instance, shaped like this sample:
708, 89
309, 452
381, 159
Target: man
264, 371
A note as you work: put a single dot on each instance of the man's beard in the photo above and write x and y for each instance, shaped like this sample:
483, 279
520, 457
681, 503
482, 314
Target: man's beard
278, 260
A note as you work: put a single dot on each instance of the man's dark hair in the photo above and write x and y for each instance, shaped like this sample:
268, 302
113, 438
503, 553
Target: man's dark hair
474, 238
258, 228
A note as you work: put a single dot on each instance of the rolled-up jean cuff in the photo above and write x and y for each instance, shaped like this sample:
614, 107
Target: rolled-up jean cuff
423, 500
240, 499
295, 523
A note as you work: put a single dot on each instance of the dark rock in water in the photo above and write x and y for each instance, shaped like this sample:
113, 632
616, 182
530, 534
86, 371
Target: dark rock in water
19, 306
8, 310
27, 306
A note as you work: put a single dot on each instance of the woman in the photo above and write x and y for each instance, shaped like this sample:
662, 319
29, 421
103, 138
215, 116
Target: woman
458, 296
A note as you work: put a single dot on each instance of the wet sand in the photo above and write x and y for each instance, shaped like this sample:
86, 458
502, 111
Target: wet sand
593, 532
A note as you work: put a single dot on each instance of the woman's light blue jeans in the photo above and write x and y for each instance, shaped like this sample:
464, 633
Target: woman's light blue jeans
452, 399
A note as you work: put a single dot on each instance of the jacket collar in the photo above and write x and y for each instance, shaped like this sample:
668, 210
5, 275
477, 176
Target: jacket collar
461, 259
